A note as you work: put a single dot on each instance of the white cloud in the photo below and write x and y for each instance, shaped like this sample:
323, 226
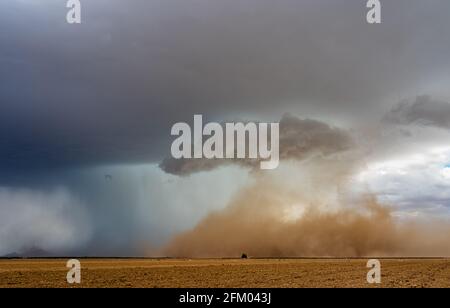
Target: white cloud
417, 185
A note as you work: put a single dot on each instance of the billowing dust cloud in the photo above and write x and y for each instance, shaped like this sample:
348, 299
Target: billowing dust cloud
310, 207
262, 222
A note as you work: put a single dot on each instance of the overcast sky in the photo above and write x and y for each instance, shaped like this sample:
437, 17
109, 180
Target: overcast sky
78, 102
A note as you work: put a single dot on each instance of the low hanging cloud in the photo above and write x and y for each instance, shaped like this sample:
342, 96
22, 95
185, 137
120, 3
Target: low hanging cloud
300, 139
423, 110
43, 223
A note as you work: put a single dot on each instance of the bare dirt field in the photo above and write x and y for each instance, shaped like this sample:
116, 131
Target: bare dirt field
258, 273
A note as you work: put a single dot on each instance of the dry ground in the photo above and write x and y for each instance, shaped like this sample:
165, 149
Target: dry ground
225, 273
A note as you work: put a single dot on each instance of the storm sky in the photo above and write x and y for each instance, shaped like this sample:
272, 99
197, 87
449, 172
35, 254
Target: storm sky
86, 110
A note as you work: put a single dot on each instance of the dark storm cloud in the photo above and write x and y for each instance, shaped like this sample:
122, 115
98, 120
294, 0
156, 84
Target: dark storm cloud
423, 110
299, 139
76, 99
110, 89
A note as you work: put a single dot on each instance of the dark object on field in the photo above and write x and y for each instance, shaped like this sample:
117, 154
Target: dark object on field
108, 177
244, 256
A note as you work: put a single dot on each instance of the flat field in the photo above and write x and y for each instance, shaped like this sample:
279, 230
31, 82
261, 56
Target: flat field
228, 273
